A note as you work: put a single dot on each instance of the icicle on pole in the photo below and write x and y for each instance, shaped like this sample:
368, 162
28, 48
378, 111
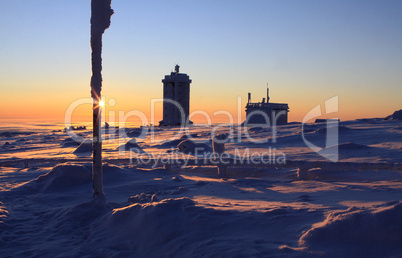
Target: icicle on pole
101, 12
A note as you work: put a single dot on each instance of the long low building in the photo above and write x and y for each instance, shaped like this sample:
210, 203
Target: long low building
265, 113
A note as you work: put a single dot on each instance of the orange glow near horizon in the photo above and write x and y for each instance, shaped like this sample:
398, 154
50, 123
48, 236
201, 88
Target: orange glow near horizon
54, 109
49, 106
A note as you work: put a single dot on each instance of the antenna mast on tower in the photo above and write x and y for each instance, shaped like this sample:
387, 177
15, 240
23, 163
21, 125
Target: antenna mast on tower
267, 93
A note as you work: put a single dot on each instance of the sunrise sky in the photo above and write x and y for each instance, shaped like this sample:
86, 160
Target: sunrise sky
308, 51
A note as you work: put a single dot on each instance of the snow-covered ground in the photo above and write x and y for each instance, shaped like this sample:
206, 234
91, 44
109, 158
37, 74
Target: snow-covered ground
47, 209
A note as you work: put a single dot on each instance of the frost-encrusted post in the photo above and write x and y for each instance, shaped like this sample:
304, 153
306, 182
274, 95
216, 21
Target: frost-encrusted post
218, 147
101, 12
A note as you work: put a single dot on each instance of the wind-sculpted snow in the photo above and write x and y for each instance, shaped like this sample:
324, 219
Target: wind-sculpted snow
178, 227
78, 218
3, 213
131, 145
358, 232
341, 129
397, 115
69, 142
171, 143
62, 178
14, 133
137, 132
190, 147
84, 147
350, 148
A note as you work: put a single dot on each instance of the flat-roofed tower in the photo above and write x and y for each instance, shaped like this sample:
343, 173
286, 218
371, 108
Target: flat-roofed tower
176, 99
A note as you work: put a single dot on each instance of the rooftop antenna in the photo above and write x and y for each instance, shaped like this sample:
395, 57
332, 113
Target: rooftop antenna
267, 93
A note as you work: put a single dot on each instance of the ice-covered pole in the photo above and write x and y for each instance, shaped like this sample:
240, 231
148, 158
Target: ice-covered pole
101, 12
218, 147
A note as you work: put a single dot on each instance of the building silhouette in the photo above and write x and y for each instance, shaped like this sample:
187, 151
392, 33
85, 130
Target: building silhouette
176, 99
265, 113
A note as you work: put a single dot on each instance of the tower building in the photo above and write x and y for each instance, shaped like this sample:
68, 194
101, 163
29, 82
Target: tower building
176, 99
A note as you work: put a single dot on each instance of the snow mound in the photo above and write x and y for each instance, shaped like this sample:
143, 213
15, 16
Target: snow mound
85, 147
307, 128
350, 146
69, 142
78, 217
137, 132
131, 145
358, 232
341, 128
178, 227
397, 115
143, 225
175, 142
190, 147
114, 174
172, 143
63, 177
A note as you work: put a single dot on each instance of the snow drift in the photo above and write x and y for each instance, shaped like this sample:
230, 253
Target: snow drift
190, 147
397, 115
63, 177
340, 129
85, 147
349, 146
358, 232
172, 143
131, 145
179, 227
138, 132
